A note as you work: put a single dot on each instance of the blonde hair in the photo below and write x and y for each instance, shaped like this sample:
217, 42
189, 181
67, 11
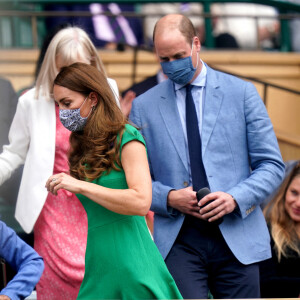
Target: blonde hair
70, 44
283, 228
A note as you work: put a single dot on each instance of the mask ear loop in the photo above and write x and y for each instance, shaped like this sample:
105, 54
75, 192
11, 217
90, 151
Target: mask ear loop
92, 108
83, 102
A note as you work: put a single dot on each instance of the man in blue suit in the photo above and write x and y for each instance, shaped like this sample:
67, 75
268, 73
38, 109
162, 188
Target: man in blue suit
232, 149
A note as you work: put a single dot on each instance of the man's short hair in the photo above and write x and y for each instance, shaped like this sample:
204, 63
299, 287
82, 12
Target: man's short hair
185, 26
187, 29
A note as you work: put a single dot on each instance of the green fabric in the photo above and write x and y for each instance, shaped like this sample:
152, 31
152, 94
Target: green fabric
122, 261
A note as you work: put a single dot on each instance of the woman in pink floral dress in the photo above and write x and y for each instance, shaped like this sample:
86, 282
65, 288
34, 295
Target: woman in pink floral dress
61, 232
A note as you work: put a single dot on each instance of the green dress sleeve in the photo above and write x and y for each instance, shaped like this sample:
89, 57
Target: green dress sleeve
130, 134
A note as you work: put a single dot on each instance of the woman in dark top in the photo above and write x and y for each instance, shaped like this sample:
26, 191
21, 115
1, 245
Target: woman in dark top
280, 275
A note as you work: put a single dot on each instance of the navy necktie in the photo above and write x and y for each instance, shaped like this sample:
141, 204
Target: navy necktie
194, 143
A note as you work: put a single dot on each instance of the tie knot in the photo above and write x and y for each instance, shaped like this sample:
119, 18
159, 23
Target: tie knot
189, 88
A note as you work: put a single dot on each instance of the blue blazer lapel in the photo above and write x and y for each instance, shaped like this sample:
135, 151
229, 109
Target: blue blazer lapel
168, 109
212, 105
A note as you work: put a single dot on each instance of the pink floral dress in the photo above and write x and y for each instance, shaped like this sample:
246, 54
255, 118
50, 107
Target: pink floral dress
60, 233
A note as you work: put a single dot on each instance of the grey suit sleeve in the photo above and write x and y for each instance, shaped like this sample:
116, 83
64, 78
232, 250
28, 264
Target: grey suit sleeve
8, 102
267, 167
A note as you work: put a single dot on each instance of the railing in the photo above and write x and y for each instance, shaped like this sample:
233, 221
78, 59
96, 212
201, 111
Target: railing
265, 84
14, 12
275, 75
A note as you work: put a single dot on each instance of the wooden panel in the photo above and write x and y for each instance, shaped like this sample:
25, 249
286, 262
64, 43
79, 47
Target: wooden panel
260, 88
119, 70
127, 70
19, 55
280, 68
123, 83
17, 68
290, 150
261, 71
109, 56
20, 82
216, 57
291, 82
289, 144
147, 69
284, 109
252, 57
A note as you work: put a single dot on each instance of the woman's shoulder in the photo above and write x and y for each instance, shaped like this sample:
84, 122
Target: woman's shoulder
131, 133
113, 85
31, 94
28, 94
110, 80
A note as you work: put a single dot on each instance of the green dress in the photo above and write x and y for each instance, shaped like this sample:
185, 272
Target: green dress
122, 261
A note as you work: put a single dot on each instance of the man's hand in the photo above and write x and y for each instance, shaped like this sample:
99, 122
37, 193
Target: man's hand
3, 297
222, 204
185, 201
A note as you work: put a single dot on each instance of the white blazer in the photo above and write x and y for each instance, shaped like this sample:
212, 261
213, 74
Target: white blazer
32, 143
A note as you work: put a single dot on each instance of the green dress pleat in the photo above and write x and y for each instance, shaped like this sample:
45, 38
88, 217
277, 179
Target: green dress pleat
122, 261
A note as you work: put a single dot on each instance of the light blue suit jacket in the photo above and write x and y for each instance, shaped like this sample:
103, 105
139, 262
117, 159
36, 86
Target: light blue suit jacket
240, 154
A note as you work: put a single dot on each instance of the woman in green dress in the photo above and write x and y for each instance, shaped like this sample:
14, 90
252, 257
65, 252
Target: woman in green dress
109, 172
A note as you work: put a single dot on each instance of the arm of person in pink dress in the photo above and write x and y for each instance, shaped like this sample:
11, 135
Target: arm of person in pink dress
135, 200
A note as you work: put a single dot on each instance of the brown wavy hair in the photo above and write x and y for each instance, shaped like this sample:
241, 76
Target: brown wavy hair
96, 149
283, 228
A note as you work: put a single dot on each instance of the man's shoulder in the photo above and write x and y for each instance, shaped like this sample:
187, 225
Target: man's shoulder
221, 77
155, 92
4, 83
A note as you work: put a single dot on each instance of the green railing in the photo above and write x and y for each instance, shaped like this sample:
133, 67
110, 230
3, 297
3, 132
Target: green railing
22, 21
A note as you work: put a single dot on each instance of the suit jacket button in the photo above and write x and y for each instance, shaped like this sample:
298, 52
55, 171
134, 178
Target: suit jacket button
185, 184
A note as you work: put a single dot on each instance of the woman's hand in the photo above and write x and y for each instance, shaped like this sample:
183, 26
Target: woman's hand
63, 181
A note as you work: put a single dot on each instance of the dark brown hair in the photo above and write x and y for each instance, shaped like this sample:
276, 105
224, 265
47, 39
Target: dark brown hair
95, 149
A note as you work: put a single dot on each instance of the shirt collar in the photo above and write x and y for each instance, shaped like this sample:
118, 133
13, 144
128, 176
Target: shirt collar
200, 80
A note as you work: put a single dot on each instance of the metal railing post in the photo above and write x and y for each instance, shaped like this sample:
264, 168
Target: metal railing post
34, 30
265, 94
209, 38
285, 33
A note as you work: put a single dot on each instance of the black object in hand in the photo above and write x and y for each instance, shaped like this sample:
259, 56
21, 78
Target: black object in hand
201, 194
